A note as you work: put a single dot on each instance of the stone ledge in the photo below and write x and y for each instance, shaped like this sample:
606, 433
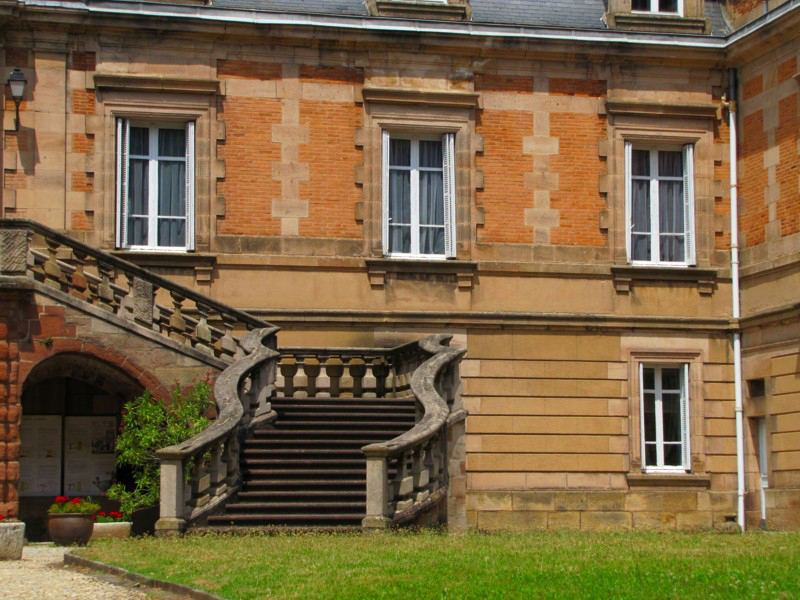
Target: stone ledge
669, 480
379, 270
415, 96
202, 264
440, 11
625, 276
657, 23
149, 83
618, 106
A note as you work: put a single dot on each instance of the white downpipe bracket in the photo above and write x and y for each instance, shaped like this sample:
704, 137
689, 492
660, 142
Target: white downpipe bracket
737, 337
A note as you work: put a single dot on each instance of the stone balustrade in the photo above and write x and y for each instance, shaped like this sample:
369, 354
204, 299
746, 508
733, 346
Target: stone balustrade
125, 290
408, 472
200, 474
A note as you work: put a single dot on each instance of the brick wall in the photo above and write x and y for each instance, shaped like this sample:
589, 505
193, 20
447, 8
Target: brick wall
248, 151
579, 168
788, 169
504, 196
332, 158
754, 212
83, 102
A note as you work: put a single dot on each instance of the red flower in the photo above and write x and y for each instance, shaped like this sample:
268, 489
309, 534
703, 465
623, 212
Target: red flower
102, 514
76, 501
1, 517
115, 514
62, 499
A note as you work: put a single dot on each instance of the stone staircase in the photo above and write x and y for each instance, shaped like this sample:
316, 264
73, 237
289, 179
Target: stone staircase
307, 469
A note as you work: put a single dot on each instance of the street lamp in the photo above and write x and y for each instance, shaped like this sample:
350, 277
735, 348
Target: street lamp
17, 81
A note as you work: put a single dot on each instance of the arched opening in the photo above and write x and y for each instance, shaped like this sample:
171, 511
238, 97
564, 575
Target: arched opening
71, 411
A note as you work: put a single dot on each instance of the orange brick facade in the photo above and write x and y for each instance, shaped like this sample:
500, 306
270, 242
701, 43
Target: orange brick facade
504, 196
248, 150
83, 102
579, 168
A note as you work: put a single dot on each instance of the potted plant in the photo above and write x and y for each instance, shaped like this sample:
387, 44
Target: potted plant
71, 520
109, 525
12, 538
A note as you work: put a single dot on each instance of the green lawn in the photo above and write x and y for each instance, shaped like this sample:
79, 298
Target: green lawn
431, 565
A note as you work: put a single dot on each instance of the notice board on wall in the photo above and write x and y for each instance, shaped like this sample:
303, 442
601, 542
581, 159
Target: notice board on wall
89, 455
40, 455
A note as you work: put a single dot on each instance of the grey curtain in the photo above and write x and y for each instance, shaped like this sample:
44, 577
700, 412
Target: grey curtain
640, 206
670, 208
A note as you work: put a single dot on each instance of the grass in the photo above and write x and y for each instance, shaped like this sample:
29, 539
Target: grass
433, 565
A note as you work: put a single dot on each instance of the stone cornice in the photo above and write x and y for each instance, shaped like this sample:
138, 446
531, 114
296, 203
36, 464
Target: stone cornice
147, 83
618, 106
453, 99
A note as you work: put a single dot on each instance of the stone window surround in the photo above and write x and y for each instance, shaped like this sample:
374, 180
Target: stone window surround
658, 124
415, 112
689, 19
160, 100
697, 475
450, 10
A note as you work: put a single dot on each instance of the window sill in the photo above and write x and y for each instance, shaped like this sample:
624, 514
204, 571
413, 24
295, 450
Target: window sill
202, 264
669, 480
381, 270
625, 276
408, 9
657, 22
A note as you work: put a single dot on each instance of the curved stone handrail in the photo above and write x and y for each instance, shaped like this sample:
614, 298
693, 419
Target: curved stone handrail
423, 385
242, 393
418, 456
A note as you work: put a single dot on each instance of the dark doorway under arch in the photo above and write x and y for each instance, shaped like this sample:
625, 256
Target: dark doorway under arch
71, 410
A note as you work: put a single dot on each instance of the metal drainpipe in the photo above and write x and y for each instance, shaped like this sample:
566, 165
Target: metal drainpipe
737, 336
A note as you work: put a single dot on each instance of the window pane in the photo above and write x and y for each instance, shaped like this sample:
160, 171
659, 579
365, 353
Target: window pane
171, 189
400, 153
640, 247
650, 455
640, 206
400, 238
668, 5
430, 154
672, 455
640, 4
649, 417
672, 248
137, 231
172, 142
172, 232
670, 207
140, 141
431, 198
649, 379
641, 161
671, 379
670, 164
399, 197
671, 417
138, 189
431, 240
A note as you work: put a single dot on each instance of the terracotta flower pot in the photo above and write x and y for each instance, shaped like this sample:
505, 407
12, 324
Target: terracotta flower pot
108, 531
70, 528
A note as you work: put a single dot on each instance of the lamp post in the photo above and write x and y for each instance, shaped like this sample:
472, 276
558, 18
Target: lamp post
17, 81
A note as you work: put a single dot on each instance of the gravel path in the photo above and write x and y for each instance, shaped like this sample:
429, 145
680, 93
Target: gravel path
41, 575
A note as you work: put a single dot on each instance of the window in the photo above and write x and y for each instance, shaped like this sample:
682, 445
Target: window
658, 6
418, 196
155, 186
659, 205
665, 417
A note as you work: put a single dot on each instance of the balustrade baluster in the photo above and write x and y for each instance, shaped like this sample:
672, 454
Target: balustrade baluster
201, 482
311, 368
202, 332
79, 282
288, 370
104, 290
55, 277
357, 369
334, 368
177, 323
217, 471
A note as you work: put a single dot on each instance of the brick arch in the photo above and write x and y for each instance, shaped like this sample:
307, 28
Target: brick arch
62, 358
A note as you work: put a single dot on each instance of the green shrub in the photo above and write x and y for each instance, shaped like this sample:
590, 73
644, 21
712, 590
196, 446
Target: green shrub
149, 425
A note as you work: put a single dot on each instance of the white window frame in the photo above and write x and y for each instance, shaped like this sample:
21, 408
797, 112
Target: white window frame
654, 9
688, 204
123, 160
686, 436
448, 176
